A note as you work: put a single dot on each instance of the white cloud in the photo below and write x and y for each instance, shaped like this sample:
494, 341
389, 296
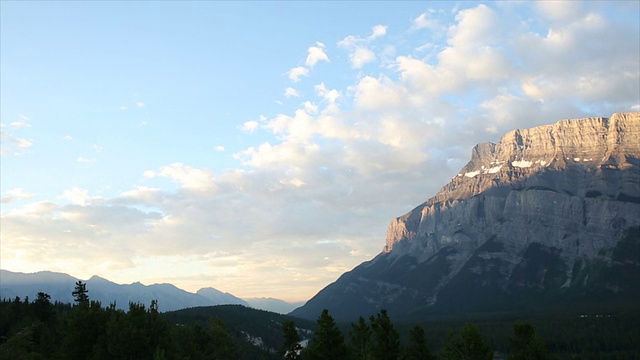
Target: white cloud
329, 95
250, 126
13, 145
23, 122
139, 104
77, 196
425, 21
82, 159
359, 47
291, 92
188, 177
219, 148
316, 54
297, 72
68, 138
378, 31
361, 56
325, 178
97, 148
15, 194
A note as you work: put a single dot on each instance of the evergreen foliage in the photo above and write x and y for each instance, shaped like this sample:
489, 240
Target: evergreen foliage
468, 345
418, 348
291, 347
360, 340
327, 342
386, 345
40, 329
526, 344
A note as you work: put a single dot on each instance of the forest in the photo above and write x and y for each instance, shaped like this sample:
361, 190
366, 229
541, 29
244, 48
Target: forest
41, 329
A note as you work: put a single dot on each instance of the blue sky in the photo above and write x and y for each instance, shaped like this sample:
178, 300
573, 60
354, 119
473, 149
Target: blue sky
263, 147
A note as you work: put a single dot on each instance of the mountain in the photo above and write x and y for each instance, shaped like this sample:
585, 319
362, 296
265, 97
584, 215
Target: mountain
59, 286
274, 305
548, 217
219, 297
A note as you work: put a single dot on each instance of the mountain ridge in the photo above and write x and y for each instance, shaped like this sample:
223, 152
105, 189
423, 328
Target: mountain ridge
529, 217
170, 298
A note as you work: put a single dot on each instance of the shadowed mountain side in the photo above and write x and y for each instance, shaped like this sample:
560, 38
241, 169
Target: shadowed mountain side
530, 223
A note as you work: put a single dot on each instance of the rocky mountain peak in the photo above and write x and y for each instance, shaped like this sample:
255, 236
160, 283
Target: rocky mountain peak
546, 216
588, 146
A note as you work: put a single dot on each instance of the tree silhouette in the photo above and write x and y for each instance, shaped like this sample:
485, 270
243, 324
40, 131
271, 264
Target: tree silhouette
291, 347
80, 293
327, 342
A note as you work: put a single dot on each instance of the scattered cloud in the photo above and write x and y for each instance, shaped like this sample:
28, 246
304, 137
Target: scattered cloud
250, 126
23, 122
15, 194
291, 92
85, 160
316, 54
325, 177
297, 72
12, 145
139, 104
359, 47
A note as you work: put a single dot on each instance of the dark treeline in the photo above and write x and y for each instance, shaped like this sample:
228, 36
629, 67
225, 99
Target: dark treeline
40, 329
43, 330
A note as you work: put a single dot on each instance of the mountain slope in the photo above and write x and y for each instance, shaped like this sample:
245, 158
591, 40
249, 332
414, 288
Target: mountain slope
529, 222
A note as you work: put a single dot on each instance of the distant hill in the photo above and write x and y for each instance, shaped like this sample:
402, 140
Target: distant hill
548, 217
59, 286
258, 327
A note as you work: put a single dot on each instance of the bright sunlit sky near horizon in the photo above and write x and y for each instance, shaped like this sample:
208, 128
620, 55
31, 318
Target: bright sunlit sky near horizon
262, 148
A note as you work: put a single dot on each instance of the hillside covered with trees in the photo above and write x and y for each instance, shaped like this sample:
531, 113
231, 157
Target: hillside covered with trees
40, 329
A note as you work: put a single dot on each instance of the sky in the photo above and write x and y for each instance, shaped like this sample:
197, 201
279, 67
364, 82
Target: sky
262, 148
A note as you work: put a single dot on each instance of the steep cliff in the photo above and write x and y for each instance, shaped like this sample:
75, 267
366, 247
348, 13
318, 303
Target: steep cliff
535, 217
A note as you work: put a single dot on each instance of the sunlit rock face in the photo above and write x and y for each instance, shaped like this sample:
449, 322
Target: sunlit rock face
529, 217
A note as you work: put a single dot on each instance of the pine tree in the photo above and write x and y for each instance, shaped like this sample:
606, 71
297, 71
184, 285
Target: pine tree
360, 340
80, 293
469, 345
386, 345
418, 348
291, 348
327, 342
526, 344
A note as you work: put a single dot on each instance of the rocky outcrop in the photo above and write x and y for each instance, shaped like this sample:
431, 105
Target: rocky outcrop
530, 213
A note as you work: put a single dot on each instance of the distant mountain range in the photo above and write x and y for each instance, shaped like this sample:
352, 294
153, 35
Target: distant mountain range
60, 286
548, 217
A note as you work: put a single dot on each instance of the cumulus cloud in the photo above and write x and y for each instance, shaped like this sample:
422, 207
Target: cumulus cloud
250, 126
358, 47
316, 54
326, 177
297, 72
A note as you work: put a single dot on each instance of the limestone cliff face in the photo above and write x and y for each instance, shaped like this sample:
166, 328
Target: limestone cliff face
533, 218
572, 180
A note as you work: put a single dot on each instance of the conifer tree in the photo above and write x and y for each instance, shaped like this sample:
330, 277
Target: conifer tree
360, 340
291, 348
468, 345
80, 293
418, 348
386, 345
327, 342
526, 344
